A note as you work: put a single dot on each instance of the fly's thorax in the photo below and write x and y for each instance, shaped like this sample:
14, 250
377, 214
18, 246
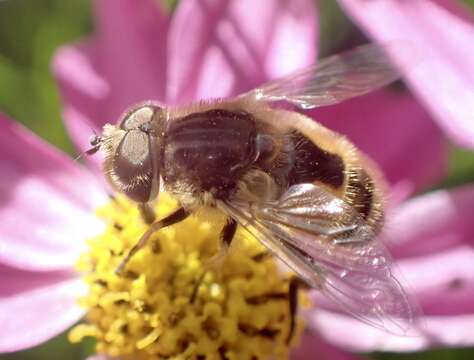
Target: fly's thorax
209, 151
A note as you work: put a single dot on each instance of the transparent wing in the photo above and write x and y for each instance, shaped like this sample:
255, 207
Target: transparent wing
327, 243
334, 79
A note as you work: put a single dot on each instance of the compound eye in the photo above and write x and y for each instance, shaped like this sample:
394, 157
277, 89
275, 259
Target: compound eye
138, 117
135, 170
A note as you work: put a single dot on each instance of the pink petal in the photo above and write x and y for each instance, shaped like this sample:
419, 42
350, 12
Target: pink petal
446, 292
123, 64
432, 223
36, 307
395, 131
313, 347
351, 334
83, 89
432, 238
431, 232
130, 47
443, 77
222, 48
47, 202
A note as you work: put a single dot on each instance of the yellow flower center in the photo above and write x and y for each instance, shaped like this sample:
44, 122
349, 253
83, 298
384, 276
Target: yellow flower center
169, 304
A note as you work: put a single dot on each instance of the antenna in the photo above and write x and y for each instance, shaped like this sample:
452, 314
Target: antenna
96, 142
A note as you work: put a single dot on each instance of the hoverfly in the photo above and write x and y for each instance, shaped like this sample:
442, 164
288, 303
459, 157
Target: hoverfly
308, 194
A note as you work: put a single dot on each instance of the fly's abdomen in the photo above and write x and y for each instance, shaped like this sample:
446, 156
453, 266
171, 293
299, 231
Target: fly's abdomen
314, 164
210, 150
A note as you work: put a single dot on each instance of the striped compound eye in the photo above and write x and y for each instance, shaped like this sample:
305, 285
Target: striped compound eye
139, 117
135, 170
132, 152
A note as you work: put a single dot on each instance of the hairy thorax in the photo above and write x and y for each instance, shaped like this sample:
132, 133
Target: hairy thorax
206, 153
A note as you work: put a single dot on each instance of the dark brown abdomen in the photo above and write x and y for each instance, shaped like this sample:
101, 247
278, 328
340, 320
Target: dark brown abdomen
312, 164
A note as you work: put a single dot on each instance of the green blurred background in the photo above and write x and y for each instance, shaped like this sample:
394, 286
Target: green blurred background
31, 30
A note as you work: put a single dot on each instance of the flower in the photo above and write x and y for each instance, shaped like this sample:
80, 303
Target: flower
46, 206
168, 302
442, 56
40, 288
139, 53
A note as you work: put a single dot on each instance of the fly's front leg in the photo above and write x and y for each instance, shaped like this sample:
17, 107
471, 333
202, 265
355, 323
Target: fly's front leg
173, 218
147, 213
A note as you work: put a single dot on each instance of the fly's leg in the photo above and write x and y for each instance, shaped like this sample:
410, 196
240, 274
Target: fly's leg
173, 218
225, 239
227, 234
147, 213
295, 284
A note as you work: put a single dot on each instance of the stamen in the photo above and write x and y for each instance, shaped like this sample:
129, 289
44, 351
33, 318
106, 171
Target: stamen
168, 304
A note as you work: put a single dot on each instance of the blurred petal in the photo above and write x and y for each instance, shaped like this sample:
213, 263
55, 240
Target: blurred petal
83, 90
312, 346
36, 307
449, 291
221, 48
395, 131
347, 332
131, 44
432, 223
15, 281
436, 231
432, 238
123, 64
443, 77
46, 202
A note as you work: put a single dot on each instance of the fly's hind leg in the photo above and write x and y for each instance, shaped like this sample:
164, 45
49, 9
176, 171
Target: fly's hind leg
173, 218
295, 285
